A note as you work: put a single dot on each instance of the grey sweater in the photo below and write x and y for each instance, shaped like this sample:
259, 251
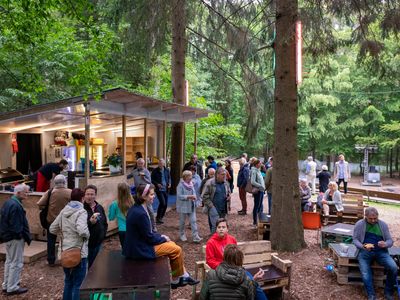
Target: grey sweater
359, 233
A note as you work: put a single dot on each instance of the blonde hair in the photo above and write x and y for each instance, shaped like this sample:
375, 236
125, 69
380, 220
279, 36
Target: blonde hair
186, 174
124, 200
334, 185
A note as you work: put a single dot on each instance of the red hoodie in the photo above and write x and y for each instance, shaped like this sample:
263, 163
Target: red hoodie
215, 249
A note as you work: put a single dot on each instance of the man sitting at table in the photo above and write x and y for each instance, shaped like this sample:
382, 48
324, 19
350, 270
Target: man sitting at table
372, 237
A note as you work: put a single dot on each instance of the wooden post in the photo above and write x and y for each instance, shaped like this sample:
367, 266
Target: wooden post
123, 145
164, 140
87, 142
195, 138
145, 142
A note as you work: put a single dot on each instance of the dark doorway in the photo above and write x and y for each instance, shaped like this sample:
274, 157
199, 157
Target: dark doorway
29, 155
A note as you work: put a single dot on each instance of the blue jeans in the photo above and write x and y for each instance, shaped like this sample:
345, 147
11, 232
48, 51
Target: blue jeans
51, 247
260, 295
258, 199
269, 202
93, 251
365, 258
213, 217
73, 280
162, 197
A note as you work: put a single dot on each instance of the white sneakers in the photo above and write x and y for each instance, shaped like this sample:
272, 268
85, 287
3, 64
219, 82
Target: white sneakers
183, 238
197, 239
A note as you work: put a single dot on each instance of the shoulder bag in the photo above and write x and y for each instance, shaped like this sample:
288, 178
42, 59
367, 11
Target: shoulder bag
44, 212
71, 257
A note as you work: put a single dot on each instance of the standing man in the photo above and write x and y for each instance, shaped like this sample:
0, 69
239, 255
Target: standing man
342, 172
211, 163
268, 184
161, 179
14, 232
194, 162
216, 197
311, 172
55, 199
46, 173
243, 176
372, 237
97, 222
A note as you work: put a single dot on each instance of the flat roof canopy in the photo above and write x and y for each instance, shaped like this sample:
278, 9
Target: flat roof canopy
105, 113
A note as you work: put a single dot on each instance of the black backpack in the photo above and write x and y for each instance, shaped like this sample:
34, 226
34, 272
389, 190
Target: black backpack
44, 211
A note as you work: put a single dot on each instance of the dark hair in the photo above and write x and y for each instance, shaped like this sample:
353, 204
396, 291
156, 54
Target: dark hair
91, 187
228, 161
139, 155
139, 191
219, 165
63, 162
233, 256
77, 195
221, 220
210, 157
193, 168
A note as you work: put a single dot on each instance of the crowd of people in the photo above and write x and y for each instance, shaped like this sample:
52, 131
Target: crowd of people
81, 221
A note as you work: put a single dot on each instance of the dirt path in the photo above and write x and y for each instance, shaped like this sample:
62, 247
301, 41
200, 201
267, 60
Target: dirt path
309, 279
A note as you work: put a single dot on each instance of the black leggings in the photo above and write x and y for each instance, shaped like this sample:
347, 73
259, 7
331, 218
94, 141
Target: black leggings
344, 184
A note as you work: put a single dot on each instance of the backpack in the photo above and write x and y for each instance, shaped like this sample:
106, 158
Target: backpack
44, 211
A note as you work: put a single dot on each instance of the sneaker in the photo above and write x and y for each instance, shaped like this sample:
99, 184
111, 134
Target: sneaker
254, 226
180, 283
242, 213
17, 292
197, 239
159, 222
190, 281
183, 238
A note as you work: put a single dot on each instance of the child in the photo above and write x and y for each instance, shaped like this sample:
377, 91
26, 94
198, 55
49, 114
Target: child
119, 209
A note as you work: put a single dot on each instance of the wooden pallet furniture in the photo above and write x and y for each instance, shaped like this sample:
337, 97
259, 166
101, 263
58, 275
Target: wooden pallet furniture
257, 254
115, 277
347, 269
336, 233
353, 204
263, 227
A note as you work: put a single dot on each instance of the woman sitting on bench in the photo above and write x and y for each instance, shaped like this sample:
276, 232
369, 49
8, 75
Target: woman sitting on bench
332, 196
141, 242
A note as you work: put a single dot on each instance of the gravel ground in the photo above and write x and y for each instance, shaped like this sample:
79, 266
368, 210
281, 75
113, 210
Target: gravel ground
309, 279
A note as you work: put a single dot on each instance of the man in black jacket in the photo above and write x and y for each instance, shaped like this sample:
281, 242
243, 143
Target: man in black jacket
194, 162
97, 222
14, 232
161, 179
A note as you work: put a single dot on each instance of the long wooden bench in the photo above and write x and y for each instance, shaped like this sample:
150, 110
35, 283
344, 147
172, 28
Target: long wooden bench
257, 254
353, 204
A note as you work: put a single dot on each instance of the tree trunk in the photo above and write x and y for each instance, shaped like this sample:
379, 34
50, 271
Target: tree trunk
286, 226
391, 162
178, 54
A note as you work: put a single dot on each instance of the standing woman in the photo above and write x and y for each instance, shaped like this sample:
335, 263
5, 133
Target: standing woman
186, 198
257, 182
119, 209
72, 222
332, 196
228, 167
142, 242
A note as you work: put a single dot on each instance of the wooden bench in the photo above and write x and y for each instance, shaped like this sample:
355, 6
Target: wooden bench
115, 277
347, 269
257, 254
353, 205
263, 227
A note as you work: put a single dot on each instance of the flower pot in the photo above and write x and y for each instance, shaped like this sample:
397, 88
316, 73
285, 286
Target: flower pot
116, 169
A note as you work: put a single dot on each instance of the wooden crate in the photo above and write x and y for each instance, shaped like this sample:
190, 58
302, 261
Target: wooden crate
263, 227
347, 268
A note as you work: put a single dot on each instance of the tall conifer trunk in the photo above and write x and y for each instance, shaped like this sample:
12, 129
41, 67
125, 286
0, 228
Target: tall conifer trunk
178, 54
286, 225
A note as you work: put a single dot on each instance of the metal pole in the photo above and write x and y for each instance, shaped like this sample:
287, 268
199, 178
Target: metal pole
87, 142
145, 142
123, 145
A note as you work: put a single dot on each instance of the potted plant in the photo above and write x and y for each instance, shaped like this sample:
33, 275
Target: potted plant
114, 162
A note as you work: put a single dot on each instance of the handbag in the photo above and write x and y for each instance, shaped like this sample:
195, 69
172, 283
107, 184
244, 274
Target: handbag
71, 257
43, 213
250, 188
